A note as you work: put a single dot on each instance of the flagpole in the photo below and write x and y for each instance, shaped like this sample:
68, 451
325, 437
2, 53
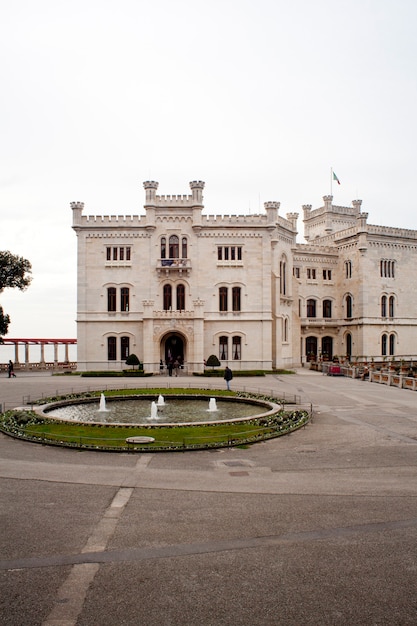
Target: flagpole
331, 181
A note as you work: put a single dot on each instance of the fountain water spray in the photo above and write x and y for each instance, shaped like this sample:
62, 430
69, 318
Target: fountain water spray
102, 408
154, 411
212, 405
161, 401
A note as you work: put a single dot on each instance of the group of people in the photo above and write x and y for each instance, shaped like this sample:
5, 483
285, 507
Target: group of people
173, 365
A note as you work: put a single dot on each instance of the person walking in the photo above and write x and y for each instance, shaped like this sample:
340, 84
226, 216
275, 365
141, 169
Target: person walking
228, 377
10, 369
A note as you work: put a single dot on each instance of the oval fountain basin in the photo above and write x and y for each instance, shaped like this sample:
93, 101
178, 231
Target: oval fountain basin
176, 410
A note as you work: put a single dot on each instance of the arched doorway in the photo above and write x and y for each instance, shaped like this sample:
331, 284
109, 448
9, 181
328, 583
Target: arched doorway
173, 347
327, 348
311, 348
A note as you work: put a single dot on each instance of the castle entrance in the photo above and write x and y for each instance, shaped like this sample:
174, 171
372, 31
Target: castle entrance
173, 348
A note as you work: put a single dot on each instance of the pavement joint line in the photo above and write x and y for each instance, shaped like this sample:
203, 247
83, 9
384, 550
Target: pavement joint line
72, 593
191, 549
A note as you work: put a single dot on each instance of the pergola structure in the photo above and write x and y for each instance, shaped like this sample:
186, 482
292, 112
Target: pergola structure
40, 342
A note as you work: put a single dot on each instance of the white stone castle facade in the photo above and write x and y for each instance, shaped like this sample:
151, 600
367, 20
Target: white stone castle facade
176, 283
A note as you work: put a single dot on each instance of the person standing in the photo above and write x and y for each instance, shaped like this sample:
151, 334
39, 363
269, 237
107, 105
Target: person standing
176, 366
228, 377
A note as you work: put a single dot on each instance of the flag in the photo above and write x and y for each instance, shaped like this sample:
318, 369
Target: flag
336, 178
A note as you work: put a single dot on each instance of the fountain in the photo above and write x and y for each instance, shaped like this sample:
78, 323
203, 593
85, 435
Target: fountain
161, 401
102, 408
184, 409
212, 405
154, 411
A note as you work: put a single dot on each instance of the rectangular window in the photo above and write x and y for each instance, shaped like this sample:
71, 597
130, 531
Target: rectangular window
296, 272
387, 268
311, 273
229, 253
327, 274
122, 253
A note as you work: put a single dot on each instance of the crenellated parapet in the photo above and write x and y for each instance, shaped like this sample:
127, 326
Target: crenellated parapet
150, 187
173, 201
77, 210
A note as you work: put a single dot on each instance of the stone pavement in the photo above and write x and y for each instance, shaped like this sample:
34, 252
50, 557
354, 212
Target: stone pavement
315, 528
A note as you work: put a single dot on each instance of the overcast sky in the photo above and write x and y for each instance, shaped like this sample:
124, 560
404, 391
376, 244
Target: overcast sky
258, 98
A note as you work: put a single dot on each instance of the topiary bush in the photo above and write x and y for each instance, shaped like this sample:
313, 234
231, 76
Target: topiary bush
213, 361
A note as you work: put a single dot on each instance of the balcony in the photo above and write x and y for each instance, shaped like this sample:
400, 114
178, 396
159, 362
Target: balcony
319, 322
168, 266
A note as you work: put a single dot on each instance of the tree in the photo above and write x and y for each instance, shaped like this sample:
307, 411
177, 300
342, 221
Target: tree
15, 272
132, 359
213, 361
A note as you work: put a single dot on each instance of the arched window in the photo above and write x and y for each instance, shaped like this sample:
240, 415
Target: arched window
349, 306
236, 342
285, 329
174, 247
392, 344
180, 298
111, 348
184, 248
111, 299
384, 344
283, 276
124, 299
384, 306
348, 269
236, 299
167, 297
391, 306
348, 345
311, 308
163, 248
223, 348
124, 348
223, 299
327, 308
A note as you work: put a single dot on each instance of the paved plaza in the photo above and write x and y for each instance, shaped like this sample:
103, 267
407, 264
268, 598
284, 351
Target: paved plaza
314, 528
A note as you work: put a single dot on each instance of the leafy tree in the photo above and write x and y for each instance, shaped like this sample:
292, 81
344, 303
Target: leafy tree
14, 272
132, 359
213, 361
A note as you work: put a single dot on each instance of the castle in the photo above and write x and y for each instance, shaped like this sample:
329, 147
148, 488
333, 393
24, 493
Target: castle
175, 283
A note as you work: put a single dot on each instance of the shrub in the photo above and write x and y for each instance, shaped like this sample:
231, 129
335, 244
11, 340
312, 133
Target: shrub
213, 361
132, 359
